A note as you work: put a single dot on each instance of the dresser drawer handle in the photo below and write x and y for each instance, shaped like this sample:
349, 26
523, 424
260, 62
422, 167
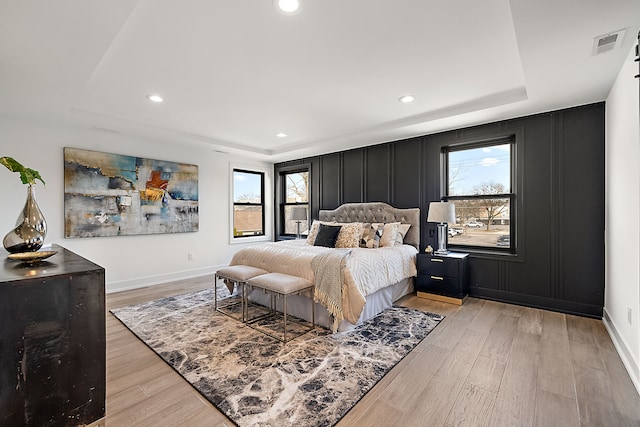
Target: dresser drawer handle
437, 278
436, 260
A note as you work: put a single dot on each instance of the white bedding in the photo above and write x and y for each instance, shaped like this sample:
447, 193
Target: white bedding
366, 270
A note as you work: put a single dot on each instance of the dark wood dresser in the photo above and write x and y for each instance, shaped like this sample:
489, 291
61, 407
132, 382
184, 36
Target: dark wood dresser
52, 341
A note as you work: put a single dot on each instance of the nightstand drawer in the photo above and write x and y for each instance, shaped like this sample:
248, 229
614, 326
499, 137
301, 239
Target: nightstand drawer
437, 266
439, 285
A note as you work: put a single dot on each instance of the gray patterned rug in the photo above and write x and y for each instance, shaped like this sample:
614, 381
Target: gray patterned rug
256, 381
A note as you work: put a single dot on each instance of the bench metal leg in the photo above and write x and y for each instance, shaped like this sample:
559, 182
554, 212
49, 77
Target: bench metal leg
284, 311
240, 287
272, 310
313, 310
215, 292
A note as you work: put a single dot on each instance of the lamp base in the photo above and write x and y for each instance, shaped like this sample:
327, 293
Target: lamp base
442, 239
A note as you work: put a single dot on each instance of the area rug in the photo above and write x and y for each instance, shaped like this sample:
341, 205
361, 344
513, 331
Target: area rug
313, 380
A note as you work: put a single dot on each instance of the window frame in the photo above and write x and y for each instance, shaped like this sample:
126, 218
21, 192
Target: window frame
265, 205
515, 138
282, 196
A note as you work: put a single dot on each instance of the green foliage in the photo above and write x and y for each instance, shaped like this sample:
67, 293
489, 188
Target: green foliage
27, 175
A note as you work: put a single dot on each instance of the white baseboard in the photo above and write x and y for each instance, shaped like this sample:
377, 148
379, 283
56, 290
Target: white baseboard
623, 350
142, 282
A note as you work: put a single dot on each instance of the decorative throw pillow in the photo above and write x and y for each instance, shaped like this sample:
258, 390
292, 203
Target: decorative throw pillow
349, 235
402, 231
327, 235
375, 226
313, 231
371, 240
366, 228
389, 234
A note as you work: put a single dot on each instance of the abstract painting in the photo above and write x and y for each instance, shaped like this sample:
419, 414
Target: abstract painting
116, 195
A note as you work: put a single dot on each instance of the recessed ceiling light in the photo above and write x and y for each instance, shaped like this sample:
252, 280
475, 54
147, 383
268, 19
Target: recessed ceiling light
406, 98
287, 7
155, 98
281, 135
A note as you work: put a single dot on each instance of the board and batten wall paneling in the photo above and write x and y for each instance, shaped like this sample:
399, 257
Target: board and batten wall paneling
314, 186
538, 191
581, 207
560, 262
330, 188
378, 173
431, 190
353, 176
406, 179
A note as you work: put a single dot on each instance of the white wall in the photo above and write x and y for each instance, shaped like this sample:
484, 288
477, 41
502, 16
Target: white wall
622, 288
129, 261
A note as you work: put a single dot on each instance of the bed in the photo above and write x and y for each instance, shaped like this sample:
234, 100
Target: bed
371, 279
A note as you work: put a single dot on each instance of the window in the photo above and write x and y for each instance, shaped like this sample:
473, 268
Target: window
479, 181
248, 203
295, 192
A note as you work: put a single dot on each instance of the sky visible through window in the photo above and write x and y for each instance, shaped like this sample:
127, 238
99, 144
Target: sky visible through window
246, 186
472, 167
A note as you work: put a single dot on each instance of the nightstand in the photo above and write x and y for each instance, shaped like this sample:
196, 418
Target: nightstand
443, 277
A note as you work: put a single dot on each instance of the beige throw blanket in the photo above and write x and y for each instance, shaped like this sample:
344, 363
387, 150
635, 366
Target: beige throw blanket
330, 285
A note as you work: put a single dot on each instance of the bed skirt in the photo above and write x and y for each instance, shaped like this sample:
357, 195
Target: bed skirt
300, 306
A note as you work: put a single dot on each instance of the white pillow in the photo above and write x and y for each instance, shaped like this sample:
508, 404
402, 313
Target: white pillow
402, 231
388, 234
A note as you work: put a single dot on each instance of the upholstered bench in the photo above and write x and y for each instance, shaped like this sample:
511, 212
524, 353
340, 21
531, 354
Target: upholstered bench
280, 286
237, 275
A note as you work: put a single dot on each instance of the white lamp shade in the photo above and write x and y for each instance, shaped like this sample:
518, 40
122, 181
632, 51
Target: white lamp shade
298, 213
442, 212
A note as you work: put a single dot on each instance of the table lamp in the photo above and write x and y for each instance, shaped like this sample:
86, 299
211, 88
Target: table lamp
298, 214
442, 213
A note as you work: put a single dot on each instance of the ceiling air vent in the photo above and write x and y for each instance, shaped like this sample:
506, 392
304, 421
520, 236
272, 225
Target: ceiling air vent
607, 42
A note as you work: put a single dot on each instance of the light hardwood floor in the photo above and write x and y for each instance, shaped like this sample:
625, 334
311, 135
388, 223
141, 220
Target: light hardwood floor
487, 363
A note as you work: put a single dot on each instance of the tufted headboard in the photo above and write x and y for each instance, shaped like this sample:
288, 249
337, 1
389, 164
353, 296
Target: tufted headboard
377, 212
